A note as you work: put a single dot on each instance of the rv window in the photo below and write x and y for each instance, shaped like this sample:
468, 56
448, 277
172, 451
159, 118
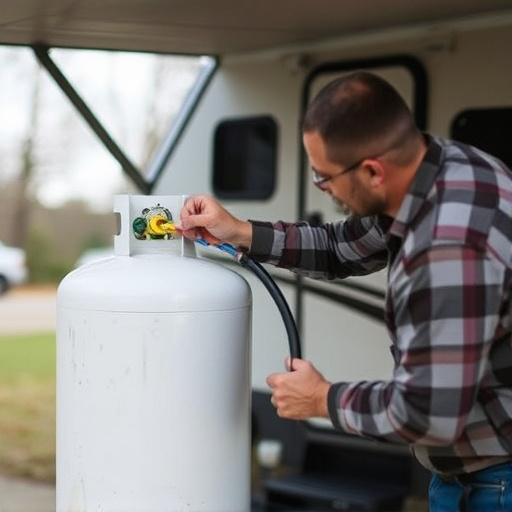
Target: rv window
244, 160
487, 129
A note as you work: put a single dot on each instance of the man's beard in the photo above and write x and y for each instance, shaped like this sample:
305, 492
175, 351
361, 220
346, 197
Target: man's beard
341, 207
370, 208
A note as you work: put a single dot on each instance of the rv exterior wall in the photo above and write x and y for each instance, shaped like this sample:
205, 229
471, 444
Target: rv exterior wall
467, 65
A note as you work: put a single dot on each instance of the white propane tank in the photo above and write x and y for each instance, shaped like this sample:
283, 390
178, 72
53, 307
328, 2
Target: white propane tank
153, 374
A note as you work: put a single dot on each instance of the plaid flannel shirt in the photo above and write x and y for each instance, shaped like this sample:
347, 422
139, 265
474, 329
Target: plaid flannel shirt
448, 308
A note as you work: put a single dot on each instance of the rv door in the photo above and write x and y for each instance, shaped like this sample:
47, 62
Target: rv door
343, 331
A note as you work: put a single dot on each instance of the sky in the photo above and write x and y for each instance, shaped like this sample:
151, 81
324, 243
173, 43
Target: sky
132, 94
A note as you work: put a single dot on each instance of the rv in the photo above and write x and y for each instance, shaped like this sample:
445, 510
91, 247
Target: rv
238, 138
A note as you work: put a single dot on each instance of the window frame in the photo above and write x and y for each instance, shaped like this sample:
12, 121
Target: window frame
266, 121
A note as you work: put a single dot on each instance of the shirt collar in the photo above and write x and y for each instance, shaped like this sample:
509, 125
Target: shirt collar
420, 188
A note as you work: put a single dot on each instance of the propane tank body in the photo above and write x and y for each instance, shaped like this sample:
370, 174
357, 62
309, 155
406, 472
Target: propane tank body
153, 378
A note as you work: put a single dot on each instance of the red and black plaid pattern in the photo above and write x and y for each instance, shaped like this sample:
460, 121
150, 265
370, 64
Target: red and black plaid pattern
448, 308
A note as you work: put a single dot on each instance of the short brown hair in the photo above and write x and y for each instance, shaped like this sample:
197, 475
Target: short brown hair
359, 115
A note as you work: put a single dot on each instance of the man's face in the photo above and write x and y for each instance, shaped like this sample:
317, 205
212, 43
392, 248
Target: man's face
349, 185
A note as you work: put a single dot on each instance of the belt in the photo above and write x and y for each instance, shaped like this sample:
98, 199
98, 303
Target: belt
468, 478
462, 479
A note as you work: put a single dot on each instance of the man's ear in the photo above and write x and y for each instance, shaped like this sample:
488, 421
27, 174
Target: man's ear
376, 172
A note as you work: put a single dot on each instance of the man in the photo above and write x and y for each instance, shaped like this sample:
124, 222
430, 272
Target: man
438, 213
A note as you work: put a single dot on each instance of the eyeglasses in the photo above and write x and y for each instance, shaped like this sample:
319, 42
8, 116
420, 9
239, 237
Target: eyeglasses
320, 181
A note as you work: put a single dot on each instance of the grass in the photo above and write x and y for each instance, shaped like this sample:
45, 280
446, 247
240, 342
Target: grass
27, 406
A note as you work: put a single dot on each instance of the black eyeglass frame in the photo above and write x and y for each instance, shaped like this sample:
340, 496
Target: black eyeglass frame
320, 181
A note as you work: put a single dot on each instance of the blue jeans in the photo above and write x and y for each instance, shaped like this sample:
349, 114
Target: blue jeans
488, 490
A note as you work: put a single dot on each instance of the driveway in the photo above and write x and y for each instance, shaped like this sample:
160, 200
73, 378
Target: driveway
28, 309
17, 495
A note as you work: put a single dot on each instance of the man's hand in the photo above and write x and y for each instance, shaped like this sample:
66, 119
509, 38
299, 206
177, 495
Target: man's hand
204, 217
301, 393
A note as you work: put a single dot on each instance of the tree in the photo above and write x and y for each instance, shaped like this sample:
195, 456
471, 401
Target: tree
28, 159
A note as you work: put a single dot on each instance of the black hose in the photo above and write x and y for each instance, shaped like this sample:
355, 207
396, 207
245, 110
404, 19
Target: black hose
289, 322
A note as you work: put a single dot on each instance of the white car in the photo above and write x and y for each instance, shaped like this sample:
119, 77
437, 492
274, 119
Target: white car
13, 267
